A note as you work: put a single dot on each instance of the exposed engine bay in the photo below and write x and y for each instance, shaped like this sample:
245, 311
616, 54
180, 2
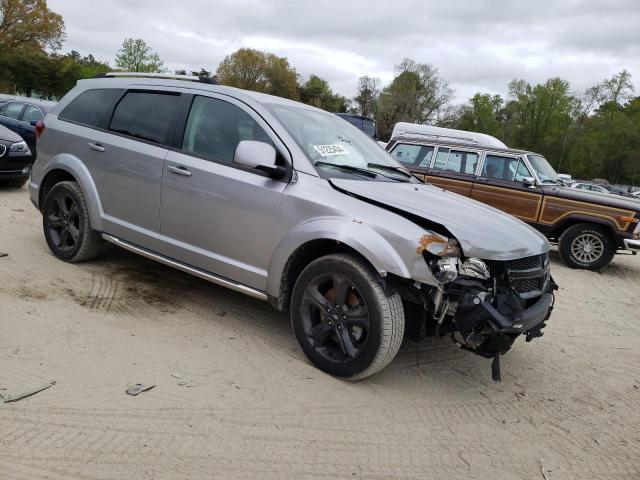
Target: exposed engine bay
484, 305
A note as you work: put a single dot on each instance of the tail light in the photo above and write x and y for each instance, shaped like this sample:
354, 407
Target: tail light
39, 128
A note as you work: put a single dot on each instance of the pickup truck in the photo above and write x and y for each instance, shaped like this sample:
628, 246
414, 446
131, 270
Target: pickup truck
589, 228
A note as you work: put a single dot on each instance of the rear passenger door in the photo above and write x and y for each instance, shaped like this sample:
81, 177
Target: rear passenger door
500, 184
454, 169
216, 215
124, 150
30, 115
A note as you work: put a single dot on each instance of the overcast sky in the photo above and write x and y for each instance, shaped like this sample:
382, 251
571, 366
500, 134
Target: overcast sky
477, 45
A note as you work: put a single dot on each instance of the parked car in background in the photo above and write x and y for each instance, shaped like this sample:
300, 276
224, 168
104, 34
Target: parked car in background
15, 158
591, 187
366, 124
588, 227
636, 194
22, 116
289, 204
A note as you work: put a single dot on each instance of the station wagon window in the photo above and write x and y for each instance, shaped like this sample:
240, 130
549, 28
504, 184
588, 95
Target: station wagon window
458, 161
32, 114
417, 155
13, 110
90, 107
505, 168
215, 128
146, 115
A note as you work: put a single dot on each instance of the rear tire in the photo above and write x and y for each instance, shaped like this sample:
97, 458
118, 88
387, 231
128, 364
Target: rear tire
66, 223
345, 322
586, 246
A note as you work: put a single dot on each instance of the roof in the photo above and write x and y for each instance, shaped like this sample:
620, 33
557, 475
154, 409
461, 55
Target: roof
446, 134
128, 82
44, 104
431, 140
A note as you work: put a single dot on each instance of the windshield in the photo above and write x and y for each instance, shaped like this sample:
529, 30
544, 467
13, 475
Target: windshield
544, 171
336, 148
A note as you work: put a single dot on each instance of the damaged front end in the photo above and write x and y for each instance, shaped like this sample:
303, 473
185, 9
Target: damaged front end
485, 305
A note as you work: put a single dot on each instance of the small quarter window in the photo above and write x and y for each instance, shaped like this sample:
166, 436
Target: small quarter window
90, 107
32, 114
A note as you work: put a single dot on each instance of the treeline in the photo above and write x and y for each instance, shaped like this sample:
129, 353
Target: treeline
591, 134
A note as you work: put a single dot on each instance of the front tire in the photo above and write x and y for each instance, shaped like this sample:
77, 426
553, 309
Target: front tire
586, 246
66, 223
345, 322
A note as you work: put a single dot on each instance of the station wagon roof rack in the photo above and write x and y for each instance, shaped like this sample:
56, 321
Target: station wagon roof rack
165, 76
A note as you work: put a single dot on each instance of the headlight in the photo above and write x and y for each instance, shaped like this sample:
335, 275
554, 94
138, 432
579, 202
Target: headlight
20, 147
474, 267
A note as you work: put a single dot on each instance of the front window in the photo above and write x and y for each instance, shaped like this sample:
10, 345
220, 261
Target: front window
544, 171
511, 169
336, 148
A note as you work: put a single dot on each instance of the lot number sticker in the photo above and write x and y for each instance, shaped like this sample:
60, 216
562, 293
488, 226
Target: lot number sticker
330, 150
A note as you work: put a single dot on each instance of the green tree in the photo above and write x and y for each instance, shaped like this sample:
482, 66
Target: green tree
258, 71
482, 114
29, 23
416, 95
367, 97
317, 92
136, 56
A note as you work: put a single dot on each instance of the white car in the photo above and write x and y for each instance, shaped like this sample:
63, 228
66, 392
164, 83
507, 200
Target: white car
589, 186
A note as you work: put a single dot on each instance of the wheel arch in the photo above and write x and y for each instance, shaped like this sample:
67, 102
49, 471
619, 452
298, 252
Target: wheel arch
304, 245
69, 168
577, 219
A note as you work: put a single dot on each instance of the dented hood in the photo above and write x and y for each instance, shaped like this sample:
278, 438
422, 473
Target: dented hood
483, 231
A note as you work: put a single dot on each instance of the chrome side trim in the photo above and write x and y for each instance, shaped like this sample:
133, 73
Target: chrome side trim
632, 245
186, 268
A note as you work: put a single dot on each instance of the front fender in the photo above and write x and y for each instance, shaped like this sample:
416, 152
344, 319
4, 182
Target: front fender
75, 167
353, 233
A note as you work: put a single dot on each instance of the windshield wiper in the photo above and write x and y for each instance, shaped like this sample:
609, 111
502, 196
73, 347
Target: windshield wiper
348, 168
390, 168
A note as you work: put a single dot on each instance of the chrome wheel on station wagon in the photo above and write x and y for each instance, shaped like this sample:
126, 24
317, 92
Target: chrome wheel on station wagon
586, 246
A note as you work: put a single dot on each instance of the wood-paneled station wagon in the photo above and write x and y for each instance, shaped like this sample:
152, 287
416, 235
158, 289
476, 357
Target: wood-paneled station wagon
588, 227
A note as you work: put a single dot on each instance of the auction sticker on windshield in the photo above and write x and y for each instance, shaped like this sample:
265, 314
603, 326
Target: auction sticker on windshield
330, 150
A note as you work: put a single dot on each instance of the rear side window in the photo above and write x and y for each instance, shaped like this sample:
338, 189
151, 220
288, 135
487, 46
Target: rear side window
13, 110
90, 107
215, 128
147, 116
32, 114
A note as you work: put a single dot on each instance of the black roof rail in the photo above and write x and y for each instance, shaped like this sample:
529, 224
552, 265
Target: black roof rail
166, 76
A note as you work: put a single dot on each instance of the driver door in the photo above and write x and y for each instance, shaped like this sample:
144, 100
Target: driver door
500, 183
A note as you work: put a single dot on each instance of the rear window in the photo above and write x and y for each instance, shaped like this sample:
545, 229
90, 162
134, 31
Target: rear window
147, 116
32, 114
90, 107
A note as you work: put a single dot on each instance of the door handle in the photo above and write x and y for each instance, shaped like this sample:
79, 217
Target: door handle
96, 146
179, 170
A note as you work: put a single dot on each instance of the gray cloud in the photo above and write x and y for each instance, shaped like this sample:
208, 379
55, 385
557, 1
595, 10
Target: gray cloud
477, 45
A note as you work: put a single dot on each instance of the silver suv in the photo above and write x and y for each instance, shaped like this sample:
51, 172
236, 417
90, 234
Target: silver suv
291, 205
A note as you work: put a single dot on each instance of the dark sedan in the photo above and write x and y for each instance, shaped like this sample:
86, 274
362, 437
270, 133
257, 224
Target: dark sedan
15, 158
22, 116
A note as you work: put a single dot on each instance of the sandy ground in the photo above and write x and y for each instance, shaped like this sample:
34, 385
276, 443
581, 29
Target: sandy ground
235, 397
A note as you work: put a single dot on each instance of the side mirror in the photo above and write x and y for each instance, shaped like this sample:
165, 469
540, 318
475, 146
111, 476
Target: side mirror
33, 123
258, 155
529, 182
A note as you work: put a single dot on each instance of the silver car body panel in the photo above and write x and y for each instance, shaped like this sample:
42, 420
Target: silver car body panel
242, 227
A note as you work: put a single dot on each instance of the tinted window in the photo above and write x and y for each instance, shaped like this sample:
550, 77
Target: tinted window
13, 110
32, 114
90, 107
147, 116
522, 172
215, 128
